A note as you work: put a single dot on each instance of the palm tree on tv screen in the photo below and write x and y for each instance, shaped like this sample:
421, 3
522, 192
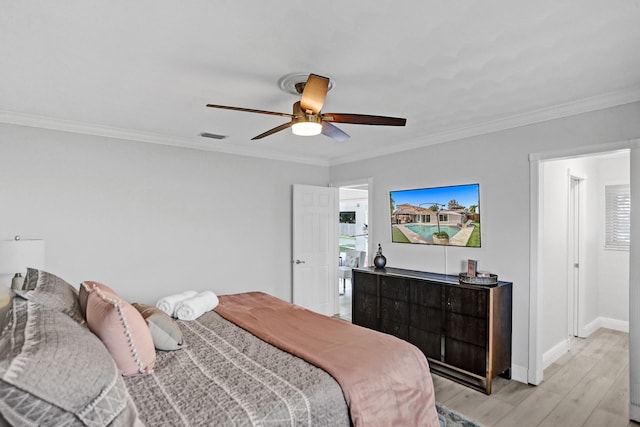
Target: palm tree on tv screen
437, 207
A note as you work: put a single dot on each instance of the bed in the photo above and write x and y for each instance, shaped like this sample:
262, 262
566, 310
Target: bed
254, 360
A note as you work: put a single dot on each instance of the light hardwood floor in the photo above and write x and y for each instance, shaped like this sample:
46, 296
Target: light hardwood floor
345, 301
588, 386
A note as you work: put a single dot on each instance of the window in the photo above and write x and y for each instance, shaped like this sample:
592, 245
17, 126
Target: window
617, 216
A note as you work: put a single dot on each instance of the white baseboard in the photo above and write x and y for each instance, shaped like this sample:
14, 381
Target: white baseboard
615, 324
555, 353
634, 412
590, 328
519, 373
605, 322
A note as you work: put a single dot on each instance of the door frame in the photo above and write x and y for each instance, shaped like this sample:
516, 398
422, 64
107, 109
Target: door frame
371, 229
536, 206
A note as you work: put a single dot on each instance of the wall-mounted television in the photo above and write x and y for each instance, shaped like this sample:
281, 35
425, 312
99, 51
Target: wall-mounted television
437, 216
347, 217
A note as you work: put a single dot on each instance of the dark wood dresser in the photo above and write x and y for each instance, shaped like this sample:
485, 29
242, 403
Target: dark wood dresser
464, 330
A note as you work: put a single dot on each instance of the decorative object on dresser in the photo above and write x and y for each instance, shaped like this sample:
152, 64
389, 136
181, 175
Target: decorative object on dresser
472, 267
464, 330
380, 260
18, 254
487, 279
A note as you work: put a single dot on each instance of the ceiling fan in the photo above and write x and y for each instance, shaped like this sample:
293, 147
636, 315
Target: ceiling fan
307, 118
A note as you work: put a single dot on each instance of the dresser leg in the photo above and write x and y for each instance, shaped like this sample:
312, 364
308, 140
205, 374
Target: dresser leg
506, 374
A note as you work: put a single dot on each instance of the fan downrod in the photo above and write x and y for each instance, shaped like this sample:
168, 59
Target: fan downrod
294, 83
300, 87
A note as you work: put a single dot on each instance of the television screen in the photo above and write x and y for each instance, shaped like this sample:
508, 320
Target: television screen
348, 217
437, 216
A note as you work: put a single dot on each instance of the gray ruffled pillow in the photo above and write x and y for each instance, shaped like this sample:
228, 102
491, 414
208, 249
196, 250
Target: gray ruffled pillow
6, 296
54, 371
52, 292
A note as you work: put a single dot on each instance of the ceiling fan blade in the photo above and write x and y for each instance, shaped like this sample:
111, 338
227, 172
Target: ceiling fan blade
363, 119
333, 132
250, 110
274, 130
314, 93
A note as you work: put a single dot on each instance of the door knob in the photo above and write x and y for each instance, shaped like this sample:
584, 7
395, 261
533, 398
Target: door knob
299, 262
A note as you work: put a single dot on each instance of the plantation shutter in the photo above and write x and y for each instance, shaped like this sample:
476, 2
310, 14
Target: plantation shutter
617, 216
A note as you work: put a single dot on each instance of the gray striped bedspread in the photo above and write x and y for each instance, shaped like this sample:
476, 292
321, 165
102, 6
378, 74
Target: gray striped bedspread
225, 376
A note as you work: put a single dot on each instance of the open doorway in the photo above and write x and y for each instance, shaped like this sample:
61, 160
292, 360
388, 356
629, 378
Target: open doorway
353, 238
583, 280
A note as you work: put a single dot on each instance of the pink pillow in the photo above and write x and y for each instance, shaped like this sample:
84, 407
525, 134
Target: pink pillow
121, 328
85, 289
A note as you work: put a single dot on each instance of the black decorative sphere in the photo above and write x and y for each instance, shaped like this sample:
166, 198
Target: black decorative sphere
380, 261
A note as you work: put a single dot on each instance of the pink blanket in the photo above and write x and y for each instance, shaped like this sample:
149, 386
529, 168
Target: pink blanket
385, 381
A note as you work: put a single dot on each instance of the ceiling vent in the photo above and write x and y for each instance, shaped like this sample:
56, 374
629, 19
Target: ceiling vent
212, 135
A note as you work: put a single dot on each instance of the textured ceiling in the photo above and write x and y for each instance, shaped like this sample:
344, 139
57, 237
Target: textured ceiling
146, 69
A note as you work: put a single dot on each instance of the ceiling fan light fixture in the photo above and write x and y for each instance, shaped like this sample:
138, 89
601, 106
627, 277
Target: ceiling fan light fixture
307, 118
306, 128
305, 124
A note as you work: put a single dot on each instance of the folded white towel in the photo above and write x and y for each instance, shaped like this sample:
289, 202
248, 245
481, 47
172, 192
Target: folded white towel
169, 303
194, 307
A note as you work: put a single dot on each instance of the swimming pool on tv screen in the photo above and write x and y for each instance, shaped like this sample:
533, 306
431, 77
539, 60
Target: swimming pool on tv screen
426, 231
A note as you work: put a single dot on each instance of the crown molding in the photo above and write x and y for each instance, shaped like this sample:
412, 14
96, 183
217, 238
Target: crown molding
43, 122
585, 105
517, 120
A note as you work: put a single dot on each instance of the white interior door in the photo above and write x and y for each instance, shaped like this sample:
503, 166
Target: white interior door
574, 255
315, 248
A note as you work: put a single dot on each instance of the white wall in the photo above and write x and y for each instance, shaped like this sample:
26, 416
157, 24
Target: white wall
613, 266
147, 219
553, 290
500, 163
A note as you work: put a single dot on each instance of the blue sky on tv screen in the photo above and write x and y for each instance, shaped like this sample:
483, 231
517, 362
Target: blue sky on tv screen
466, 195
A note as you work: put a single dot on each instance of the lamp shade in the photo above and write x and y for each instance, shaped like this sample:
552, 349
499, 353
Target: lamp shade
16, 255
